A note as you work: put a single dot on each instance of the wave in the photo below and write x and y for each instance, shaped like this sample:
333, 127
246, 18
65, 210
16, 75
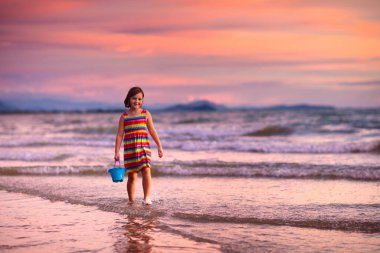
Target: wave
221, 169
270, 131
345, 225
92, 130
199, 144
271, 170
53, 170
194, 121
337, 129
282, 146
105, 142
34, 157
376, 147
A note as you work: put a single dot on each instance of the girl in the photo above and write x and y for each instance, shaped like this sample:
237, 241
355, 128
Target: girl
133, 126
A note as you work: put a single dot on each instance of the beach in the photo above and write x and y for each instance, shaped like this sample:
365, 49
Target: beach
246, 181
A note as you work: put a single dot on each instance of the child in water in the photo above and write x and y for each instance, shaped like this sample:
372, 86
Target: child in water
134, 125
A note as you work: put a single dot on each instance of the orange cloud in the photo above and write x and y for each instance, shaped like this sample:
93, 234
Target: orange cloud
94, 45
14, 10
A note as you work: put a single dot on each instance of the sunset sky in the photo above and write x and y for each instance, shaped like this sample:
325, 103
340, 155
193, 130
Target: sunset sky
233, 52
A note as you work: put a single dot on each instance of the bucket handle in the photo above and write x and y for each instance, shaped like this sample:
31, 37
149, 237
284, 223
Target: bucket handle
114, 165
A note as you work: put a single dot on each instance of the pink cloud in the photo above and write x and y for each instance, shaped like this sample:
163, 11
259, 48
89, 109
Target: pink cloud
96, 49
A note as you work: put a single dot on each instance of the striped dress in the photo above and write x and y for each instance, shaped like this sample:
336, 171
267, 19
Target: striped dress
137, 153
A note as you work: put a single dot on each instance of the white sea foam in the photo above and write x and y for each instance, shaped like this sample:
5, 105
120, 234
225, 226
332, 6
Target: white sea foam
221, 169
275, 170
274, 145
54, 170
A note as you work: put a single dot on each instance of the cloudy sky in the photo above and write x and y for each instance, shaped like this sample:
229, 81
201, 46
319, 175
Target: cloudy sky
232, 52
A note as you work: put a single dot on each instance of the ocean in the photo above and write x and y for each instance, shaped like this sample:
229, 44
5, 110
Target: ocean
229, 181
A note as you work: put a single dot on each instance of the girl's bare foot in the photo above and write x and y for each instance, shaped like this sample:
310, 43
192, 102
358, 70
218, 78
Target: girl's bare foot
147, 201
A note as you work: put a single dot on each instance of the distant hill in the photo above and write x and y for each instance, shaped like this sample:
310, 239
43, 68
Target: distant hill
200, 105
49, 105
204, 105
5, 108
299, 107
60, 105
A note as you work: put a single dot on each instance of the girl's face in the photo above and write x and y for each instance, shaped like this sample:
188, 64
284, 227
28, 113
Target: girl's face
136, 101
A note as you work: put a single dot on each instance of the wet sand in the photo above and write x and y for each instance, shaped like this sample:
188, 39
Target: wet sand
33, 224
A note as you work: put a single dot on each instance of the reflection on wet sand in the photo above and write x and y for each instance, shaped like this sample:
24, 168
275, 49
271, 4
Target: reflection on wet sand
137, 236
147, 235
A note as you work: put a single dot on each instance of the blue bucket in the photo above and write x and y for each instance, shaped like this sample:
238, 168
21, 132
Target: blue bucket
117, 173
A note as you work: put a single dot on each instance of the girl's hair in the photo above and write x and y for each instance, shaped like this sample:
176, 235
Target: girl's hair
132, 91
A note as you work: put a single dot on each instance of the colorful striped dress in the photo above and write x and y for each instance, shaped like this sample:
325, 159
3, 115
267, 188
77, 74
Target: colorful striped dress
137, 153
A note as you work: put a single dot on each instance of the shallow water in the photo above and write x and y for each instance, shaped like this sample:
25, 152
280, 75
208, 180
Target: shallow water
261, 214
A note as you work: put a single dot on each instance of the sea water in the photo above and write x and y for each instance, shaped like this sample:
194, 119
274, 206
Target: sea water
244, 181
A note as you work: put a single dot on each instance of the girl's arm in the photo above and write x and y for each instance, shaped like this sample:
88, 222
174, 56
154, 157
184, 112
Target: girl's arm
153, 133
119, 138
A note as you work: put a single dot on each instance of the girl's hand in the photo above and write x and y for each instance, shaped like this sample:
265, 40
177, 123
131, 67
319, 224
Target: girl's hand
117, 157
160, 152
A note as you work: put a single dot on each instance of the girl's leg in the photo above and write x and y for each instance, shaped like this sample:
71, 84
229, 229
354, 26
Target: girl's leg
146, 182
131, 185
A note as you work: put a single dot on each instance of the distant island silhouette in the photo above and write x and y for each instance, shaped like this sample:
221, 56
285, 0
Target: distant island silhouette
52, 105
204, 105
